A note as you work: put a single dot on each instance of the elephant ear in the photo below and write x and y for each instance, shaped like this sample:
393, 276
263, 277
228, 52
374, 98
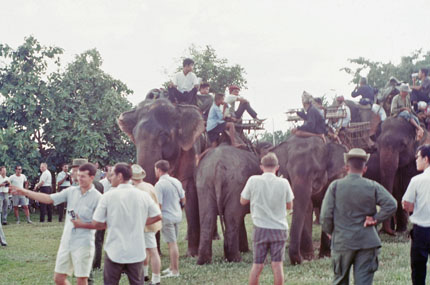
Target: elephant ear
335, 162
191, 125
127, 121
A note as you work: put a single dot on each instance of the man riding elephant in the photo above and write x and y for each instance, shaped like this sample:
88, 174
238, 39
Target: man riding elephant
314, 125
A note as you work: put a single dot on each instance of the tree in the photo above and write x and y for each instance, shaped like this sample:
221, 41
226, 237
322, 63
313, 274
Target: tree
379, 73
24, 87
55, 117
82, 111
214, 70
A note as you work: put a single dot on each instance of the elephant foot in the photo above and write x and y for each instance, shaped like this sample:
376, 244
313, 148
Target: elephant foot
204, 260
234, 258
244, 248
295, 259
308, 256
191, 252
388, 231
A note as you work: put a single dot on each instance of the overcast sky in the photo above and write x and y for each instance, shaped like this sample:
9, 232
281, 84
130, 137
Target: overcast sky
285, 46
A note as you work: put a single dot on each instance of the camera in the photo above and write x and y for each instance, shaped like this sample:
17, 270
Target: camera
72, 213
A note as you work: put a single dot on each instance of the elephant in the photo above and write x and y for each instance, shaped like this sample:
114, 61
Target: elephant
161, 130
393, 165
220, 178
309, 165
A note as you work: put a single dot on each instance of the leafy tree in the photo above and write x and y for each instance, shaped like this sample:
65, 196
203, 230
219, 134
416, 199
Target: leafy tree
214, 70
82, 111
24, 87
379, 73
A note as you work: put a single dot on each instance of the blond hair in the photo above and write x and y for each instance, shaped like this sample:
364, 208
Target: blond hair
269, 160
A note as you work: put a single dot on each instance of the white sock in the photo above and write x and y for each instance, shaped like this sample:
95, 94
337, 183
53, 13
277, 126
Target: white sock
155, 278
145, 270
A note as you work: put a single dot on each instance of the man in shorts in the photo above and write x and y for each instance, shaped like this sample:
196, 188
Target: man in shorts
171, 197
19, 180
150, 231
76, 251
270, 197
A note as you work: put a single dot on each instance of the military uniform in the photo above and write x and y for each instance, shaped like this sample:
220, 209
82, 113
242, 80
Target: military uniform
345, 206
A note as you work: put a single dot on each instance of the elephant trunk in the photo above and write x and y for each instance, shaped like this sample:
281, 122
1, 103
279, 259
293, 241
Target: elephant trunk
388, 165
147, 157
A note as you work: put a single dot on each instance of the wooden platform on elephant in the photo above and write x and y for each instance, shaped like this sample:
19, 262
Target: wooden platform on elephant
250, 125
357, 135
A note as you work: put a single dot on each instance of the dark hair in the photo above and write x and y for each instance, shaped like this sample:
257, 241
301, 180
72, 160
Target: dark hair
187, 61
88, 167
163, 165
65, 163
356, 163
318, 100
218, 96
16, 167
424, 151
204, 85
124, 169
363, 80
425, 71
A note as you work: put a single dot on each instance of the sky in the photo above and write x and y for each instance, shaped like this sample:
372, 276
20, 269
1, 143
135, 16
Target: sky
284, 46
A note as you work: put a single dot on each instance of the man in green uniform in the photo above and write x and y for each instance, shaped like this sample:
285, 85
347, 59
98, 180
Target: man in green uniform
349, 215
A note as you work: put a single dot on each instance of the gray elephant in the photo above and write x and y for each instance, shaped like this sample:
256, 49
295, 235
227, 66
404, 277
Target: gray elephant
310, 166
220, 178
161, 130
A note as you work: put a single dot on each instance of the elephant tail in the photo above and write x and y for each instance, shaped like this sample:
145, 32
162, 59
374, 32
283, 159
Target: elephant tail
218, 196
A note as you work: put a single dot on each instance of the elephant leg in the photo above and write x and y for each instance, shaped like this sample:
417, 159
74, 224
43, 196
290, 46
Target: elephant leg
193, 223
243, 237
302, 192
306, 246
208, 220
231, 235
325, 245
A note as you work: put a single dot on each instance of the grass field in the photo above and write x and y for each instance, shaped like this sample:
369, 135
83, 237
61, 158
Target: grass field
30, 255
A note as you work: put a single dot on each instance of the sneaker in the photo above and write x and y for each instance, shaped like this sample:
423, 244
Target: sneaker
170, 274
29, 222
18, 222
165, 271
146, 279
4, 223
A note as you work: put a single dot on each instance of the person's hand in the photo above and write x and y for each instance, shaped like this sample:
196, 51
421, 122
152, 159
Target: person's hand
369, 222
76, 222
16, 190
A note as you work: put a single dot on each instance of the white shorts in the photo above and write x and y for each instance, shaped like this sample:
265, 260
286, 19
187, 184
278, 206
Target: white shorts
150, 241
19, 200
170, 232
78, 261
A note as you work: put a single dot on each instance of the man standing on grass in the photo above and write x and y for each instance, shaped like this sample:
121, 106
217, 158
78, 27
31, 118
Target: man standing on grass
417, 200
171, 197
76, 251
19, 180
4, 194
150, 231
270, 197
45, 186
63, 182
124, 211
350, 216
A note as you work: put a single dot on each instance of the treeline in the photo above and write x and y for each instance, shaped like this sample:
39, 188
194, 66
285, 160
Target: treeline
53, 113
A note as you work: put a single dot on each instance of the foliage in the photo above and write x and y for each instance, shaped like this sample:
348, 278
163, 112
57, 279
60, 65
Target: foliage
214, 70
53, 116
279, 136
379, 73
82, 111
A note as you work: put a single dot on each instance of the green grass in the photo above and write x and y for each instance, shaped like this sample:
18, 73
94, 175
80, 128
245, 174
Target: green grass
31, 252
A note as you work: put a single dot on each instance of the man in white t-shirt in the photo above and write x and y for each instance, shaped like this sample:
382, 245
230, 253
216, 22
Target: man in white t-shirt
123, 211
184, 85
4, 194
45, 186
417, 200
244, 105
19, 180
270, 197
